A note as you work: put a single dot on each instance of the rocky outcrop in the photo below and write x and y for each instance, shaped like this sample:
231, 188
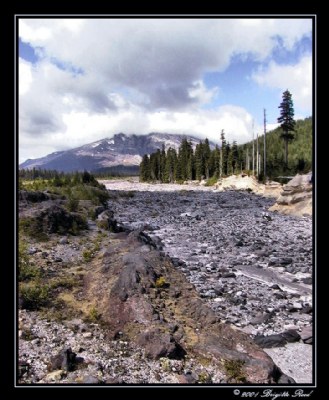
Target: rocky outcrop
250, 184
238, 182
148, 301
33, 197
51, 218
296, 197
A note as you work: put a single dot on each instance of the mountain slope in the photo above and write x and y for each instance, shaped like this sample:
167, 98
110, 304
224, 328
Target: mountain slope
121, 150
300, 149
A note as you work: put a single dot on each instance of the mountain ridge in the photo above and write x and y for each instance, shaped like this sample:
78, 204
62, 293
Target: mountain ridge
120, 150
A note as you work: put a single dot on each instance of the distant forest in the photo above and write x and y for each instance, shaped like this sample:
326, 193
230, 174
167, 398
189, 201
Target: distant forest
204, 163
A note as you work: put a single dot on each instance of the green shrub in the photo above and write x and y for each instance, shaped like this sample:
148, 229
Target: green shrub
211, 181
234, 371
93, 316
161, 283
97, 246
96, 195
78, 224
92, 214
204, 377
103, 224
66, 282
165, 364
33, 228
72, 204
33, 295
26, 270
87, 255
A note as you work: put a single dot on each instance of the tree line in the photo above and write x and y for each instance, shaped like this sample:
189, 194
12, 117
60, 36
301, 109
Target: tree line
169, 165
57, 179
191, 164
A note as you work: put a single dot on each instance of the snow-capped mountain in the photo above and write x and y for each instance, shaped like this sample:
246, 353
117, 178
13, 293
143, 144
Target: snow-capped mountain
120, 150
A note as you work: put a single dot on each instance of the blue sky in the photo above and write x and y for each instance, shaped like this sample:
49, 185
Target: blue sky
81, 80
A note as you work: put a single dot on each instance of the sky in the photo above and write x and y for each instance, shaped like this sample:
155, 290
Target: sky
81, 80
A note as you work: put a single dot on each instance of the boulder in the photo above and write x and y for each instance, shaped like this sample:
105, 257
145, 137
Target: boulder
160, 344
277, 340
54, 219
32, 197
269, 341
107, 221
296, 197
64, 360
307, 335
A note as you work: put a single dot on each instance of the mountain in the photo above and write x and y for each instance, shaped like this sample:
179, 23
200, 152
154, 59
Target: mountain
121, 152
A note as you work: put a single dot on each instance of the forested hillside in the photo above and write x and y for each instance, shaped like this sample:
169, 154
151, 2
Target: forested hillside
230, 158
300, 150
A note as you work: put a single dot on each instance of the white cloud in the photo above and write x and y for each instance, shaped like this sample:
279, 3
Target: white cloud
99, 77
235, 121
296, 78
159, 58
25, 76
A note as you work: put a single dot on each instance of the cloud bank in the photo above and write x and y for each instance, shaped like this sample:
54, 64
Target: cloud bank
94, 78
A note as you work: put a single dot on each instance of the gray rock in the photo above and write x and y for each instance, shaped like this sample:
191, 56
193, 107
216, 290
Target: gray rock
158, 344
64, 360
261, 319
63, 240
307, 335
33, 197
90, 379
291, 335
270, 341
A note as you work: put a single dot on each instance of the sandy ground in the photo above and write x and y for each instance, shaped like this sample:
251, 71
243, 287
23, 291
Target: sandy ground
134, 184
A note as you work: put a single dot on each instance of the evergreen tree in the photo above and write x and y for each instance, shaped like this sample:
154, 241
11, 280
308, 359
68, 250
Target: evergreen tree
199, 161
228, 166
287, 121
185, 161
206, 158
171, 166
162, 163
222, 151
235, 157
145, 171
214, 162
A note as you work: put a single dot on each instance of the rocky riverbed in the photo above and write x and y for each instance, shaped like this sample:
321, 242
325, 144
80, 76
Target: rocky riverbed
165, 284
254, 267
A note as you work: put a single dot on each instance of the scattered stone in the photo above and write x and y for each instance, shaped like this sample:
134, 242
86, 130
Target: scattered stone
261, 319
90, 379
32, 250
63, 240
